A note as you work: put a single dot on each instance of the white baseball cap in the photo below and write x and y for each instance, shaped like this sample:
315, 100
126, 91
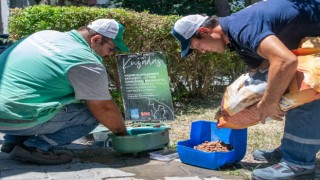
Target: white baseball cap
184, 29
112, 29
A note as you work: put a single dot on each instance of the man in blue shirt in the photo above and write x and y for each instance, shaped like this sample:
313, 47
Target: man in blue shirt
263, 35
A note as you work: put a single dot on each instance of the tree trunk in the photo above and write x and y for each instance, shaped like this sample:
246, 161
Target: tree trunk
21, 3
47, 2
61, 2
254, 1
223, 8
1, 24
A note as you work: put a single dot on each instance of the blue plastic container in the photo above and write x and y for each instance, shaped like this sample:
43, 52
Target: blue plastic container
202, 131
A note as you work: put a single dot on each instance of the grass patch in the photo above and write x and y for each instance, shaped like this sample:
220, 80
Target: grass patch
260, 136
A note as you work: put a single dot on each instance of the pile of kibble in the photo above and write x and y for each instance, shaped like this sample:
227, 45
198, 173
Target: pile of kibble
214, 146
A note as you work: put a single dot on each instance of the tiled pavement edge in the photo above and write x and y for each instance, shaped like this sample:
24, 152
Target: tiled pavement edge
96, 163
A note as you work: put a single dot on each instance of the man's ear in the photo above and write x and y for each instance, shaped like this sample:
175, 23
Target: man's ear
204, 30
96, 38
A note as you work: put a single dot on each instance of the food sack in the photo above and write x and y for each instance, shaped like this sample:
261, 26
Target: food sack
238, 107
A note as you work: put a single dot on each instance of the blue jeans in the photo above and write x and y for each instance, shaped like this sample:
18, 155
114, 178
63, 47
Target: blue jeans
301, 139
71, 123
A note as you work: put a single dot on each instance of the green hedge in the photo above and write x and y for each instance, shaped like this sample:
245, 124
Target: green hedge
199, 75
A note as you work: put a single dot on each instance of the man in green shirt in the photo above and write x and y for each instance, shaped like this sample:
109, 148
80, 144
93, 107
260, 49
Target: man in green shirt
54, 90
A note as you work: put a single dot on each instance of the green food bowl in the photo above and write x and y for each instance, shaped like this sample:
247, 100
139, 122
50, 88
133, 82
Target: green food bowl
142, 138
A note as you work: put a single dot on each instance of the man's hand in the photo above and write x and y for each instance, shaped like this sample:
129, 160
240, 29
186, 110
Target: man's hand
283, 66
108, 114
270, 110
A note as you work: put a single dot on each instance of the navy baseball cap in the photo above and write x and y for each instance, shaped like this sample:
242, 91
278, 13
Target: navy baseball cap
184, 29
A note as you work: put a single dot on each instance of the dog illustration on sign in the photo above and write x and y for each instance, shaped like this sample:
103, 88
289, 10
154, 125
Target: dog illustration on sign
159, 110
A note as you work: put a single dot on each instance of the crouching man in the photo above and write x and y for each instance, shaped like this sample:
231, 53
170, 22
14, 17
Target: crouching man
54, 90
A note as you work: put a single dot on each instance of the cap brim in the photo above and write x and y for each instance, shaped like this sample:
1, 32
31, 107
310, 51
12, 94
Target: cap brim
185, 43
185, 51
121, 45
118, 40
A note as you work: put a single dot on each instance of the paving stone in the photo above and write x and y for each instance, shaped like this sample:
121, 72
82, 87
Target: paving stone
182, 178
127, 178
98, 163
22, 175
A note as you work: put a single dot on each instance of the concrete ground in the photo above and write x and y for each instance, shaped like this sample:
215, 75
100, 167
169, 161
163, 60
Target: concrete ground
96, 162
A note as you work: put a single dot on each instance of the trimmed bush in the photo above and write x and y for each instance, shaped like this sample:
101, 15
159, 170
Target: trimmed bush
199, 75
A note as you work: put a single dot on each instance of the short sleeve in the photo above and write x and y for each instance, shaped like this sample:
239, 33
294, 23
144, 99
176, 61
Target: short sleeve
89, 81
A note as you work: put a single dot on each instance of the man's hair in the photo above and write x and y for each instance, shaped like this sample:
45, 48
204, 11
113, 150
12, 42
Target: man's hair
89, 33
210, 22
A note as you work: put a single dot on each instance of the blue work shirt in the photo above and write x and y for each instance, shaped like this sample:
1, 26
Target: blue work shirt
289, 20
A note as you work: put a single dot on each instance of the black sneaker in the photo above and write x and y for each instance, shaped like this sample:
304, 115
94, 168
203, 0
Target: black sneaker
7, 147
282, 171
41, 157
274, 155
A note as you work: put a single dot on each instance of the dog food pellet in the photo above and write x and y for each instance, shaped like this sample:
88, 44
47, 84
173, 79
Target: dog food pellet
214, 146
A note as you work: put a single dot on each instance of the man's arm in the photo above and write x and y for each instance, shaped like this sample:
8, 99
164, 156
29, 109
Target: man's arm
283, 65
108, 114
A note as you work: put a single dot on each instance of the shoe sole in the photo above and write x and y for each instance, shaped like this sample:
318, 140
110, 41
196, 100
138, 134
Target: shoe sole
7, 148
299, 177
257, 158
268, 160
21, 154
